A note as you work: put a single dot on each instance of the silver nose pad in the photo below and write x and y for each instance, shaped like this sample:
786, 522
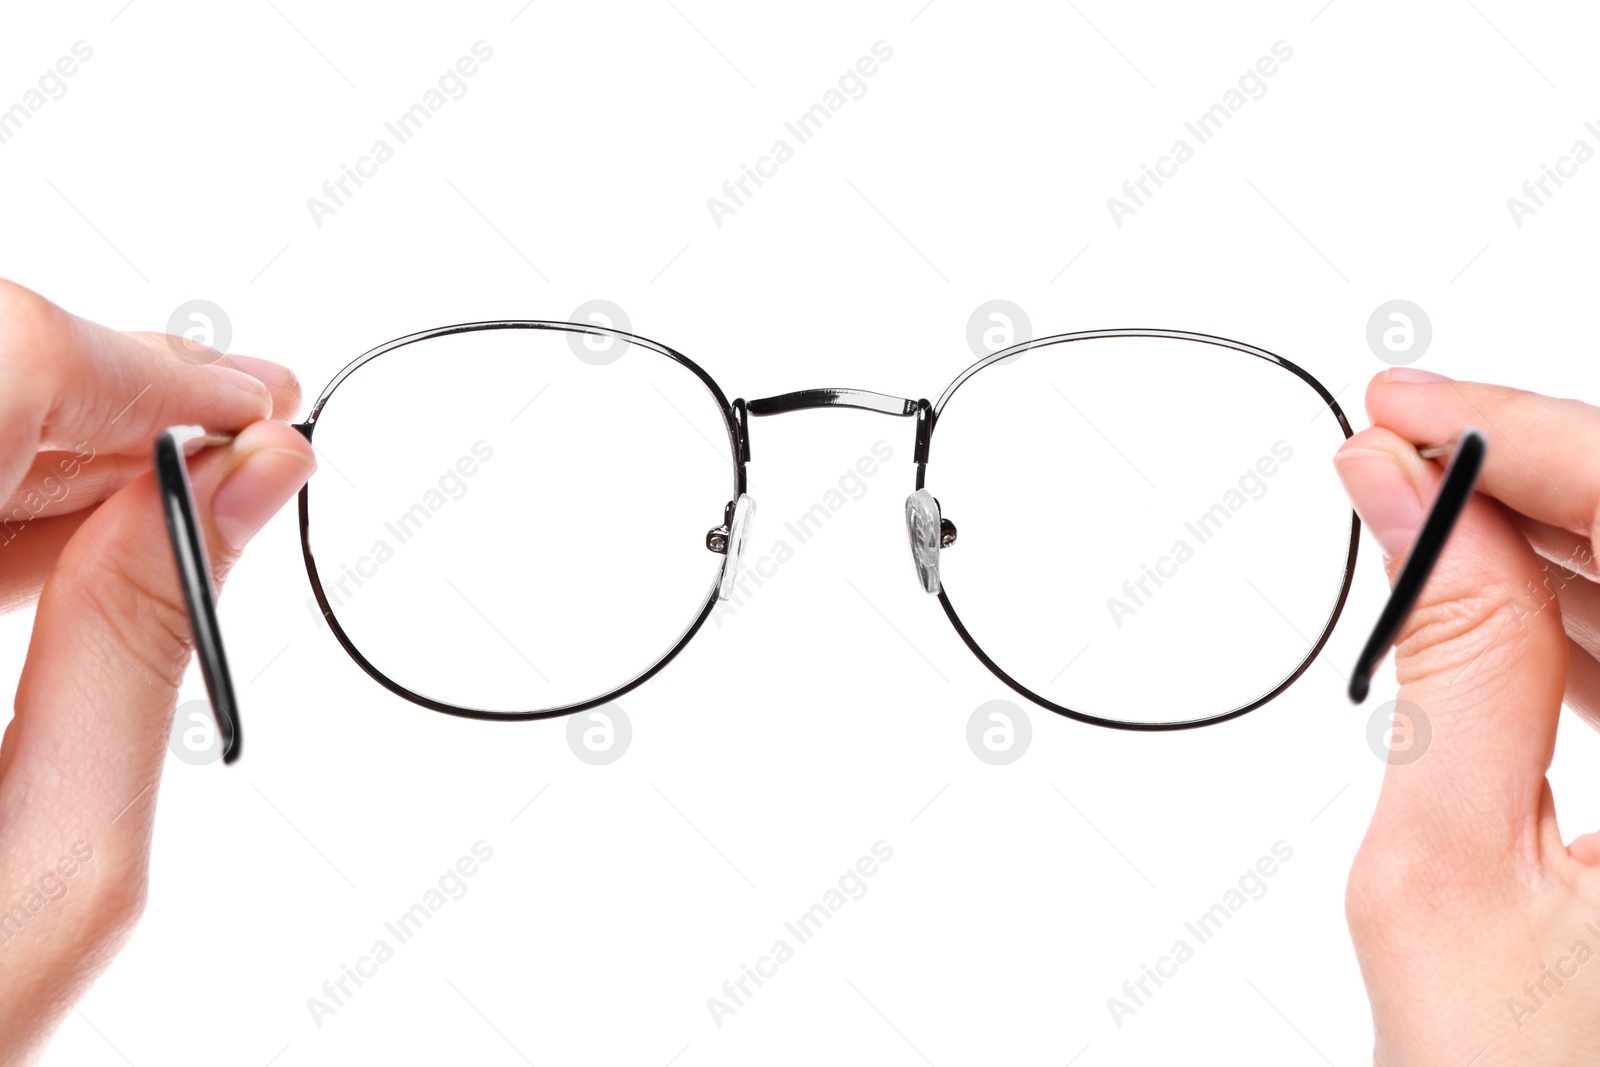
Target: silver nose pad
925, 529
729, 539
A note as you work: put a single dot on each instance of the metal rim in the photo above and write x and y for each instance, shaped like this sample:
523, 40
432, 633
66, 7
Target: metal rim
1183, 335
309, 426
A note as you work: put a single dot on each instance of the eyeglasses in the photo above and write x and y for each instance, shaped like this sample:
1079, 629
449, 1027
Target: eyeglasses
523, 519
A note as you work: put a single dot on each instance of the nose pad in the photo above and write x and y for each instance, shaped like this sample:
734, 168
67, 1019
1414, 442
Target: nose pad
924, 528
729, 539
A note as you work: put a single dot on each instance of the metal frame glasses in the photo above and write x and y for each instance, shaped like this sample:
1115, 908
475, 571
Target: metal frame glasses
928, 530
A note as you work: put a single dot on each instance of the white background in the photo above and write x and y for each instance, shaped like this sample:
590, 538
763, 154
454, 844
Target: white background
779, 747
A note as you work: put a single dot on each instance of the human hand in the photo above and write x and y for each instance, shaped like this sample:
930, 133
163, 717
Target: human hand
82, 533
1476, 927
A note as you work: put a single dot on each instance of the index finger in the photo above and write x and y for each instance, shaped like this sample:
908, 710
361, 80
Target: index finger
65, 381
1541, 449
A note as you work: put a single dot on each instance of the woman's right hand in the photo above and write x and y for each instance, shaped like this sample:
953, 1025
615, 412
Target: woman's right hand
1477, 927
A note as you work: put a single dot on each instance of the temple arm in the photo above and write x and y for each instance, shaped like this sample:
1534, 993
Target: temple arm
194, 573
1454, 492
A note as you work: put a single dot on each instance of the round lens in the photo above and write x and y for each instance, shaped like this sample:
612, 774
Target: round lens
1150, 530
513, 519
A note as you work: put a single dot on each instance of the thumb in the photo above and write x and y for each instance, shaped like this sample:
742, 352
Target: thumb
1480, 671
110, 643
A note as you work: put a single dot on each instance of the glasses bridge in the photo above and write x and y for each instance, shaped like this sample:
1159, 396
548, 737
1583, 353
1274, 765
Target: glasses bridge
834, 398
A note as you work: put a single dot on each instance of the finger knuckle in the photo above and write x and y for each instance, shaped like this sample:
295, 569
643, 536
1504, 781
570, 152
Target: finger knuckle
1443, 635
21, 307
100, 903
292, 390
32, 331
1439, 622
1400, 878
118, 895
144, 619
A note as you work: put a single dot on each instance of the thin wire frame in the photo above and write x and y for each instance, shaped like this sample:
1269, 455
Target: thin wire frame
1207, 339
738, 454
184, 525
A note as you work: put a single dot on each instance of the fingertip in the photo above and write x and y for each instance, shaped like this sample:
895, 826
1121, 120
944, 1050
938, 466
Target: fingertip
1585, 849
268, 463
253, 389
1383, 475
1371, 439
281, 382
272, 433
1397, 395
1413, 376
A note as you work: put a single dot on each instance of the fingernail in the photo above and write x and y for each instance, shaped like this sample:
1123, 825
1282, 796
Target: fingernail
273, 374
263, 481
1382, 495
241, 381
1412, 375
